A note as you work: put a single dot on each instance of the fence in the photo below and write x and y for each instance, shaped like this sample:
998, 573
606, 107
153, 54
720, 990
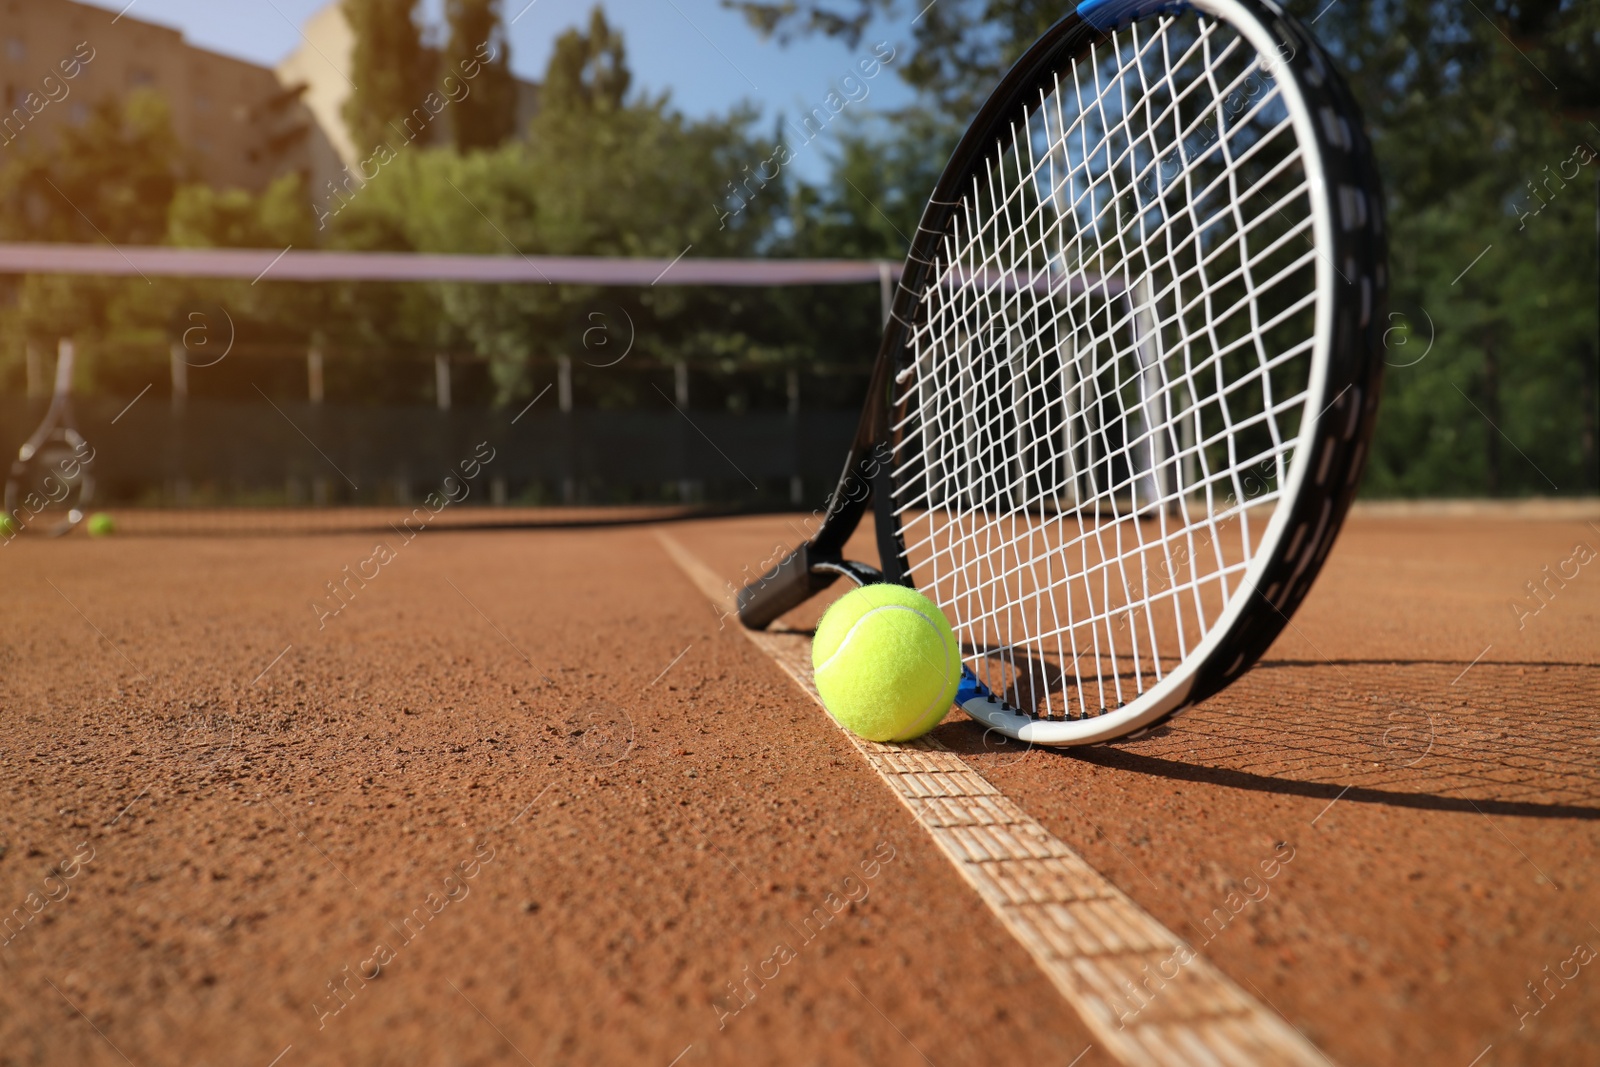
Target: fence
588, 442
215, 453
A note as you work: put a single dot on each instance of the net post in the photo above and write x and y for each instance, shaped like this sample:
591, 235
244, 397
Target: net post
35, 365
314, 374
1140, 324
180, 376
1016, 366
569, 485
680, 396
66, 355
935, 476
1069, 422
178, 482
791, 383
441, 380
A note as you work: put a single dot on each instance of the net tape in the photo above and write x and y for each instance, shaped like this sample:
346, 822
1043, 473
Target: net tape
289, 264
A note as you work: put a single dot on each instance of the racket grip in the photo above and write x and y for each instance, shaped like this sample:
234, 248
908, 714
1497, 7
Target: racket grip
786, 586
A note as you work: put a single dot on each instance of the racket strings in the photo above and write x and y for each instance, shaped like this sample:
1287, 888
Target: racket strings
1109, 369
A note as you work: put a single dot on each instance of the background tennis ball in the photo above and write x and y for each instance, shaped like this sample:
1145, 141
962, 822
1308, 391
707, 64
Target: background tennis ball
8, 525
887, 663
101, 525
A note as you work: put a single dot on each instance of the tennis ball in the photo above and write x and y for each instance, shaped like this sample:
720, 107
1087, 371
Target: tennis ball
101, 525
9, 526
887, 663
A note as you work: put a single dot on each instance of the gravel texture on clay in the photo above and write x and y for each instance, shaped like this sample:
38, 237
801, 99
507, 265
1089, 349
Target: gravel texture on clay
1428, 751
529, 780
528, 797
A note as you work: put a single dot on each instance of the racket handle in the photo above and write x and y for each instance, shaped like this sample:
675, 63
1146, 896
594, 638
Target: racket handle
65, 352
786, 586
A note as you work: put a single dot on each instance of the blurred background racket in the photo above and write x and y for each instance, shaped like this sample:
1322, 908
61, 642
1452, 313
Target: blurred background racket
51, 481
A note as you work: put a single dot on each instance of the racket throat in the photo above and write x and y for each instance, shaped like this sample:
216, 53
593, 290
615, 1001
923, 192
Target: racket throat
981, 702
860, 573
802, 574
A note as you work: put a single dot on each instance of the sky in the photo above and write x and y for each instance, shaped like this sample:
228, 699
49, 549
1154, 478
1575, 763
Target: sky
707, 56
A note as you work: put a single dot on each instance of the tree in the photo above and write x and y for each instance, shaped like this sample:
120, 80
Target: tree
1485, 121
587, 72
601, 174
112, 179
961, 46
478, 40
1483, 155
389, 68
109, 179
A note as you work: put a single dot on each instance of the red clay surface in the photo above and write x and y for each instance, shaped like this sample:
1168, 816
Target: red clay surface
533, 781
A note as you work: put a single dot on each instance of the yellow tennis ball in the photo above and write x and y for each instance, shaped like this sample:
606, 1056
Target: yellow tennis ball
887, 663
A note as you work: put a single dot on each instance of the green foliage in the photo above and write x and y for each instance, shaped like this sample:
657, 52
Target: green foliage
960, 47
880, 176
109, 179
200, 216
265, 315
389, 67
599, 175
588, 71
602, 174
1491, 386
478, 41
1482, 155
1477, 114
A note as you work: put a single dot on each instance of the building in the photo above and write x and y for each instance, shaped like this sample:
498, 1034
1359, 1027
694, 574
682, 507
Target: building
243, 127
321, 65
244, 124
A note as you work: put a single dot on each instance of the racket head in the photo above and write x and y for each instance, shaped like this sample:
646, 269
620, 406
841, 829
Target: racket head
1135, 363
51, 484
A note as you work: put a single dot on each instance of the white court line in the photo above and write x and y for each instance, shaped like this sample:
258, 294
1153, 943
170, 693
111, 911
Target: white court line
1093, 942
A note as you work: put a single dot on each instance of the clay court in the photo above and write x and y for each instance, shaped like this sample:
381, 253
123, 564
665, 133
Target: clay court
531, 796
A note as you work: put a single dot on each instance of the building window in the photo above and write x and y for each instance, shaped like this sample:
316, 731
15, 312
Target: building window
138, 76
79, 113
16, 50
202, 105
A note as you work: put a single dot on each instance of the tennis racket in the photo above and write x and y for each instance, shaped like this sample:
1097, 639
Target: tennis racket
51, 481
1125, 394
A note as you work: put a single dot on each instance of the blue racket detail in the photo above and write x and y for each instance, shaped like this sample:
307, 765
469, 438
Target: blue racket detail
970, 688
1108, 15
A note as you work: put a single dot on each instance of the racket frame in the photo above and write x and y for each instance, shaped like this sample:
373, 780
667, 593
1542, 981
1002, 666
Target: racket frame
58, 416
1347, 365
